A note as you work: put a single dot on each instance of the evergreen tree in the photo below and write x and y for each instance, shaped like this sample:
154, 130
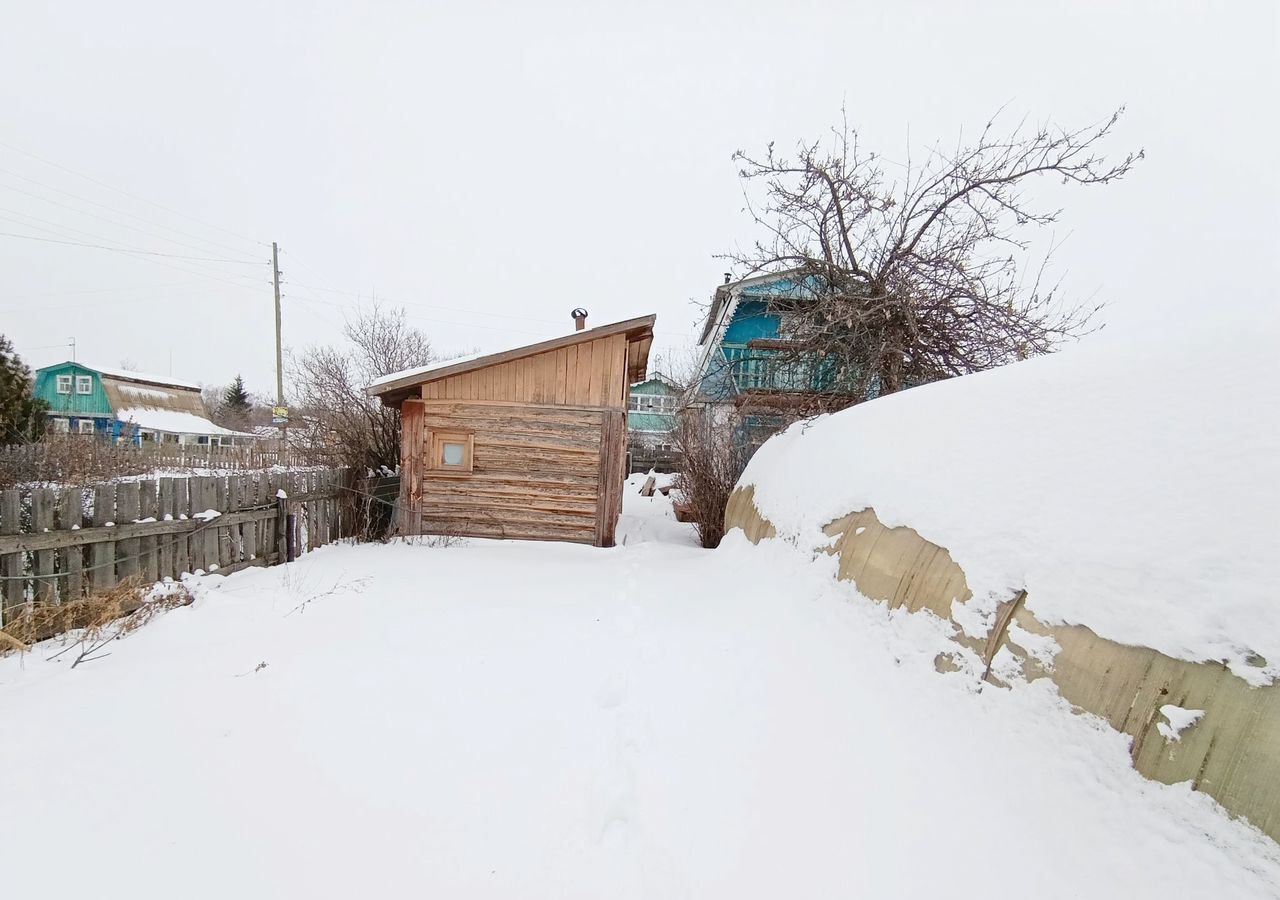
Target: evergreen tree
21, 414
236, 402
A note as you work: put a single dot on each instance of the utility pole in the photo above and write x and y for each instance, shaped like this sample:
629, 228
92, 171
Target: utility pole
280, 414
275, 272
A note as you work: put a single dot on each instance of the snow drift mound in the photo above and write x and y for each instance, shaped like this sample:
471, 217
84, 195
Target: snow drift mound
1130, 488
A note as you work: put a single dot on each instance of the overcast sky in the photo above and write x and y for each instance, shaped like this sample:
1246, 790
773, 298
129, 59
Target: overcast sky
491, 167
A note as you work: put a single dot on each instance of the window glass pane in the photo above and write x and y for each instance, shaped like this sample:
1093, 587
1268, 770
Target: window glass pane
64, 384
454, 454
84, 384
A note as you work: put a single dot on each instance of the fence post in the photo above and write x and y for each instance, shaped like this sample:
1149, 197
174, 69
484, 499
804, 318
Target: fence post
282, 528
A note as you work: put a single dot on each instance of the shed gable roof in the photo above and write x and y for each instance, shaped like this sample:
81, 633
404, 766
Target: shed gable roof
393, 388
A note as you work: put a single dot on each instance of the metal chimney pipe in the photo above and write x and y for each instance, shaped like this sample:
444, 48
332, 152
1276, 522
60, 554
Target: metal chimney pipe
728, 276
579, 318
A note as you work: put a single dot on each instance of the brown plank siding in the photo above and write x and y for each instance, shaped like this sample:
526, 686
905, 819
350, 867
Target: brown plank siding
589, 374
412, 460
536, 469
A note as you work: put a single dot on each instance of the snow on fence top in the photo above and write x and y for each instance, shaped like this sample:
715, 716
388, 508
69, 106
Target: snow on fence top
1131, 488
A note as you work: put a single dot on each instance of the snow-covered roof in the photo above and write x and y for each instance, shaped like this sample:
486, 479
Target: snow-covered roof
1117, 482
129, 375
174, 422
658, 376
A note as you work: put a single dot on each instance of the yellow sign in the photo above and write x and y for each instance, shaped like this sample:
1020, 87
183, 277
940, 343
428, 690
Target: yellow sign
280, 412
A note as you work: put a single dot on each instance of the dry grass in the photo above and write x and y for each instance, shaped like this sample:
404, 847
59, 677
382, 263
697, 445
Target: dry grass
91, 622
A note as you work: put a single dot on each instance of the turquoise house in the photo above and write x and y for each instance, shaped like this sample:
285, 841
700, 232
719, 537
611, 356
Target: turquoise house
651, 409
125, 406
77, 400
745, 358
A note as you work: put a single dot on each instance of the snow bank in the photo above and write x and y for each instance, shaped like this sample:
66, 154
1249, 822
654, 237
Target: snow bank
1129, 487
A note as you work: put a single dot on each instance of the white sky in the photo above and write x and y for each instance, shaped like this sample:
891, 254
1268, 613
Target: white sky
492, 168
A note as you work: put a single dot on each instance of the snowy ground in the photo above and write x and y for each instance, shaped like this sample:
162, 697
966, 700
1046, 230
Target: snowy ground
542, 720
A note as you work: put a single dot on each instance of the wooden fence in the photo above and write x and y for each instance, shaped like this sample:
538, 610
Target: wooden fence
59, 545
75, 457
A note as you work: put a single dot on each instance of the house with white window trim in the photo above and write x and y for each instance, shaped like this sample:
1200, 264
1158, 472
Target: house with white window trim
132, 407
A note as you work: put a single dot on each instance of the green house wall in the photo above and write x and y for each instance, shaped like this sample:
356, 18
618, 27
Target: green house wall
94, 403
641, 421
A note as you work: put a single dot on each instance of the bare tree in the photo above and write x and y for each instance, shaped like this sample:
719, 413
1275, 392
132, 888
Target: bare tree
920, 275
340, 424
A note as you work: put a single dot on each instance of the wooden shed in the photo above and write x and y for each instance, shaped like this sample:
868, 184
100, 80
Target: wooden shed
528, 443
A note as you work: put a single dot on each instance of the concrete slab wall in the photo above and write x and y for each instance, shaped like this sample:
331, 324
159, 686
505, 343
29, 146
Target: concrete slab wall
1232, 753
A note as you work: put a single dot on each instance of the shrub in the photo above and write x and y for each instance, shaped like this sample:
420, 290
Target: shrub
714, 450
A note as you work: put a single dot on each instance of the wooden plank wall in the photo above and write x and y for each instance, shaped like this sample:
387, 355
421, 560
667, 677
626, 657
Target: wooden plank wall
536, 472
593, 373
613, 465
58, 545
413, 452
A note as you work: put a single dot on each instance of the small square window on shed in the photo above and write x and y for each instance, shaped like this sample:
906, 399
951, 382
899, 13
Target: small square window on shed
64, 384
84, 384
450, 452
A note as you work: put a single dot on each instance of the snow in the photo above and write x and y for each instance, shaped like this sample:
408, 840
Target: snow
142, 376
142, 393
172, 420
1178, 721
438, 364
542, 720
651, 518
206, 515
1127, 486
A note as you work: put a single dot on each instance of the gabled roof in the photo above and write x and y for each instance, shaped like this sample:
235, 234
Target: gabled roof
659, 377
393, 388
731, 290
128, 375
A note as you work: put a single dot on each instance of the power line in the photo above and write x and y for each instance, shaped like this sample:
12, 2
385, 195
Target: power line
137, 287
96, 304
103, 219
221, 276
420, 318
132, 196
113, 209
134, 250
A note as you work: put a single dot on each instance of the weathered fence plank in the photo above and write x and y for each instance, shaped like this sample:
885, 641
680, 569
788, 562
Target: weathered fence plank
209, 530
71, 559
165, 547
45, 587
184, 548
148, 509
102, 556
249, 530
281, 527
127, 514
12, 565
222, 503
